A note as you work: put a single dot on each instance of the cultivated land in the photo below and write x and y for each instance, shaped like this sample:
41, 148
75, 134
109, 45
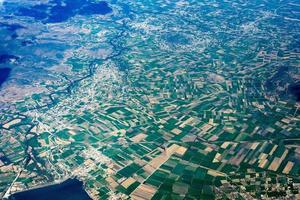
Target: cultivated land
158, 100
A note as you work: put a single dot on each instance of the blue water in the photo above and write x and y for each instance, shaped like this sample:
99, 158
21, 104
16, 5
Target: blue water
54, 12
11, 27
71, 189
4, 74
6, 57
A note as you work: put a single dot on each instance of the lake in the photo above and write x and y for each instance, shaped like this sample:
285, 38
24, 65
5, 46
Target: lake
71, 189
4, 74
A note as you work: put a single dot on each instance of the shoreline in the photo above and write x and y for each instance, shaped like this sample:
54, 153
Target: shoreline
56, 185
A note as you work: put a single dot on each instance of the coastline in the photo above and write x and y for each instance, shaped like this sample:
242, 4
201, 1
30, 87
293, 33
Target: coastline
53, 187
